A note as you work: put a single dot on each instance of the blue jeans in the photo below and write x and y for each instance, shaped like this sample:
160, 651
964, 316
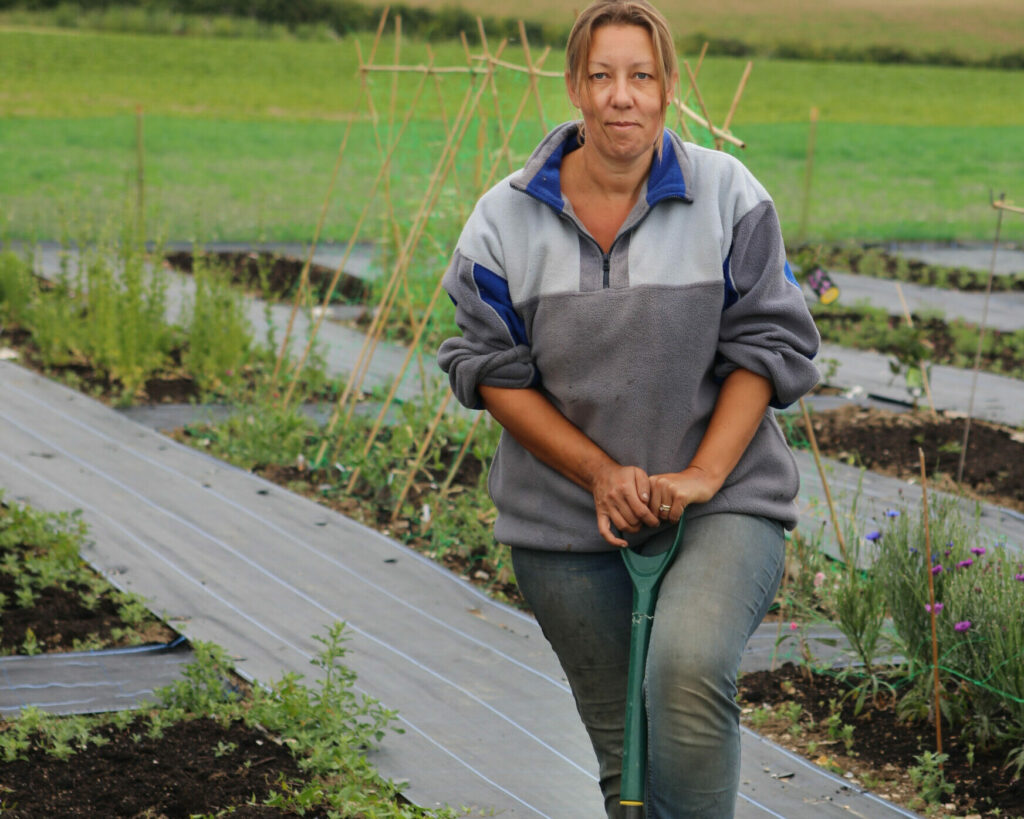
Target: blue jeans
715, 594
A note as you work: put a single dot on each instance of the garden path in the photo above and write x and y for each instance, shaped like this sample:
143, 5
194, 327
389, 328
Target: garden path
228, 557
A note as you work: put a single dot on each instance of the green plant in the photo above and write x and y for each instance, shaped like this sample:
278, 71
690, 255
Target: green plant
218, 333
929, 777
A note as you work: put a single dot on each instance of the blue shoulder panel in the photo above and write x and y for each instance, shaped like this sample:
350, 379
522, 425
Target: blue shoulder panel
666, 178
494, 292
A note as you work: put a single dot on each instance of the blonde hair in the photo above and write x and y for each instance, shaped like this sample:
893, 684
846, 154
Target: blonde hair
621, 13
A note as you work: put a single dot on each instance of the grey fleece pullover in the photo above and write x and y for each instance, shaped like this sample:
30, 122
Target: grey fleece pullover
631, 346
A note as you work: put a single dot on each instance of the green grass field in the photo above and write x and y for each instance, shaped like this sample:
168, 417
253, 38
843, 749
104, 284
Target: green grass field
973, 28
241, 136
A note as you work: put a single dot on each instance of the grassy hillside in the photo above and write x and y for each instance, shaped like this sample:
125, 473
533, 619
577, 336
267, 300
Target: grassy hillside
241, 135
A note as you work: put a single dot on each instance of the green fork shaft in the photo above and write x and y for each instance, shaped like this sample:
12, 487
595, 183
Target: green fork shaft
646, 574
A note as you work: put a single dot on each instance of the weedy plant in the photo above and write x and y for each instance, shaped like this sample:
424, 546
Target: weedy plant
40, 550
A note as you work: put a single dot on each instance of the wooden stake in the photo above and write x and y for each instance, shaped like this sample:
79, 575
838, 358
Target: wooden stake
931, 598
981, 338
824, 481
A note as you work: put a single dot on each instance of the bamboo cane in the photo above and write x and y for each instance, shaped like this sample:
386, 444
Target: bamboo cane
824, 481
931, 598
420, 455
736, 97
448, 161
515, 122
419, 224
460, 456
384, 168
533, 78
700, 101
469, 105
703, 123
696, 73
493, 85
304, 275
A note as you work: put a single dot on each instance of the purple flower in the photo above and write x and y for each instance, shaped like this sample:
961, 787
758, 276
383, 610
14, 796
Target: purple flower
913, 551
892, 513
936, 608
947, 552
978, 550
875, 535
963, 564
936, 568
963, 625
1019, 577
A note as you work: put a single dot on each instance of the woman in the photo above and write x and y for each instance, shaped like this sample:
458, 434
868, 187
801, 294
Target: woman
628, 317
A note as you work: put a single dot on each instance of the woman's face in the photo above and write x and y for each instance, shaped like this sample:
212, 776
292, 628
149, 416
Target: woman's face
620, 97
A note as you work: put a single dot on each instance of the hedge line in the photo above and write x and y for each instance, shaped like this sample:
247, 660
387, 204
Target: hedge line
344, 16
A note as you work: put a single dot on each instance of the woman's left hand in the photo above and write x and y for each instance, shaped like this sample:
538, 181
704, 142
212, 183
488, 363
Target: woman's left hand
672, 492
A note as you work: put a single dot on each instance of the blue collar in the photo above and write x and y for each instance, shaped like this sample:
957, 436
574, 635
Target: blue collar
665, 180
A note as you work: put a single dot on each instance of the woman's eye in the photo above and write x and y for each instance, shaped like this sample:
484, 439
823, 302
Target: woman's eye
643, 75
599, 75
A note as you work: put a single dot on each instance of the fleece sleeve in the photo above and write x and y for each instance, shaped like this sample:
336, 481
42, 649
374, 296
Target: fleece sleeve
766, 327
493, 348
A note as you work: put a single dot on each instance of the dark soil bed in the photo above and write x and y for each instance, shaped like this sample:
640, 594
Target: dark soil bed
888, 442
195, 768
271, 275
883, 748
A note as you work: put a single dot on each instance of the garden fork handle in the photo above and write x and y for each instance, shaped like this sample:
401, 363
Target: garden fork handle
646, 574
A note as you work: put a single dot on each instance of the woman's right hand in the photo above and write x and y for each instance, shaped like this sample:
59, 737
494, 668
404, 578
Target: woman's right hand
621, 494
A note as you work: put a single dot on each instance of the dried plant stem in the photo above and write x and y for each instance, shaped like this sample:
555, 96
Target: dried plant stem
140, 178
931, 598
805, 200
1000, 207
824, 481
420, 455
924, 372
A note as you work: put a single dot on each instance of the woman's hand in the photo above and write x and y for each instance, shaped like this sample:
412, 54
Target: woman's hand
677, 490
622, 497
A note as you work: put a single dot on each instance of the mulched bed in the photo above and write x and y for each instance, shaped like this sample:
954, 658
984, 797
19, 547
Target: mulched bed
883, 748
